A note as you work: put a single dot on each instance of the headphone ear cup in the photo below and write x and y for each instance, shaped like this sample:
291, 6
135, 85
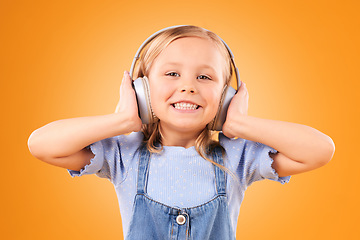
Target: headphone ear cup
142, 90
225, 100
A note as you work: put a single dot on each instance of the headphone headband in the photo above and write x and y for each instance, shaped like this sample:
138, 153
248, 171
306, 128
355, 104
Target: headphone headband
149, 39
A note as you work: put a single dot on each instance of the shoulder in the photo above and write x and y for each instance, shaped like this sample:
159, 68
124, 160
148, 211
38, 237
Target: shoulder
243, 151
231, 144
251, 160
120, 155
132, 138
126, 139
129, 142
239, 144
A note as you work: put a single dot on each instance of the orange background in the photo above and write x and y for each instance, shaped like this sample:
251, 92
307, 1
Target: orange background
64, 59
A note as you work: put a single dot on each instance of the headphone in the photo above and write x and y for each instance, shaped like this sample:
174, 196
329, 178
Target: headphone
142, 89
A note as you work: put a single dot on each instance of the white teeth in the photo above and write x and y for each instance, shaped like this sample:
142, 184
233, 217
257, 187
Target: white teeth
185, 106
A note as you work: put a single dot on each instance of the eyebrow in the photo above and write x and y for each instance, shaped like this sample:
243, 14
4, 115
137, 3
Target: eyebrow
179, 64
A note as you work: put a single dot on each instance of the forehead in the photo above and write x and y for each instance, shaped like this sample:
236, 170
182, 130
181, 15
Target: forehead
192, 51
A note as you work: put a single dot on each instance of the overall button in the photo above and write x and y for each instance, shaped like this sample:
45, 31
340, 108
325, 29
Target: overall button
180, 219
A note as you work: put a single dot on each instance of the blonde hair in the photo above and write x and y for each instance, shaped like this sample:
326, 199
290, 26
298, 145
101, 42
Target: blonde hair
205, 142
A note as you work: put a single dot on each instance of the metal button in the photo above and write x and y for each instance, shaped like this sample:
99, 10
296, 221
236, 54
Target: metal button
180, 219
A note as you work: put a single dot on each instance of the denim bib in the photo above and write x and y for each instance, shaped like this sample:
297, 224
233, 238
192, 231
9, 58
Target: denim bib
154, 220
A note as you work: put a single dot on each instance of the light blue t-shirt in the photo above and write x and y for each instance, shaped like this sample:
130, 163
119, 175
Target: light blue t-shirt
179, 177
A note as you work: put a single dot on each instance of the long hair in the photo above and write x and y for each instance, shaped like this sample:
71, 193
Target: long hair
205, 142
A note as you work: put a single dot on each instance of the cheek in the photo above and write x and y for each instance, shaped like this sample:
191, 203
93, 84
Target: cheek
154, 95
214, 97
159, 93
213, 102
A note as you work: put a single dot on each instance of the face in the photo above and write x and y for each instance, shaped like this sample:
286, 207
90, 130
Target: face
186, 82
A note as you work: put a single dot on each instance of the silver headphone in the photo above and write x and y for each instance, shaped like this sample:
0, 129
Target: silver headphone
142, 90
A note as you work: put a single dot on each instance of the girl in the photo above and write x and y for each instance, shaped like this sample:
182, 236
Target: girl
172, 179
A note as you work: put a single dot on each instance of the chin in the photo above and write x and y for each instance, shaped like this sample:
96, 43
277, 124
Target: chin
187, 127
184, 126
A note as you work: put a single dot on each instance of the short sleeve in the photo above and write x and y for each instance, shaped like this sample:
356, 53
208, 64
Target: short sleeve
250, 160
259, 163
96, 163
112, 157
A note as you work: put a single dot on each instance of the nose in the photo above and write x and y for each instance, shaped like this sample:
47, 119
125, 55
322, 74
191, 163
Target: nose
188, 89
187, 86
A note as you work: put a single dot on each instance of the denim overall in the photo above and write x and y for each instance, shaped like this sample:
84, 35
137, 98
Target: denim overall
154, 220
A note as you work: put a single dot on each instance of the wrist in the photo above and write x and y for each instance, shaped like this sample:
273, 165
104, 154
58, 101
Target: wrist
233, 127
236, 127
126, 124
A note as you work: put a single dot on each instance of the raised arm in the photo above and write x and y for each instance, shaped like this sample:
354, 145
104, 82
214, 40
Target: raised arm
62, 143
300, 148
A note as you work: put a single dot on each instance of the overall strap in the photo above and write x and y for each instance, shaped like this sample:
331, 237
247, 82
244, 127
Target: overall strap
220, 175
143, 171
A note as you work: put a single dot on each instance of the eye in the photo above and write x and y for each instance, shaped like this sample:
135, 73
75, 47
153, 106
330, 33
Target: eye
172, 74
204, 77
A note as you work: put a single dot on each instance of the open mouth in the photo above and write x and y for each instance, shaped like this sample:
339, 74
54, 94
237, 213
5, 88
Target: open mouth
185, 106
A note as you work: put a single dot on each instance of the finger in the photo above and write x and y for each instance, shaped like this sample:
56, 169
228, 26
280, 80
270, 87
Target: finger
125, 89
243, 86
245, 90
242, 91
126, 75
126, 82
122, 82
126, 78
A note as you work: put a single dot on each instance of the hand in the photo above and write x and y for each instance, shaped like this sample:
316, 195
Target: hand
238, 107
127, 104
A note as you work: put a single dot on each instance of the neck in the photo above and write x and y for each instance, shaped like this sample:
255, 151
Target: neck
176, 137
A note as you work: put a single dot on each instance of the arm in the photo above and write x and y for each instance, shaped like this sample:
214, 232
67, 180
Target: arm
62, 143
300, 148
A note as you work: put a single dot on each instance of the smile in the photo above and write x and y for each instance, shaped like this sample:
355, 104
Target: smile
185, 106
